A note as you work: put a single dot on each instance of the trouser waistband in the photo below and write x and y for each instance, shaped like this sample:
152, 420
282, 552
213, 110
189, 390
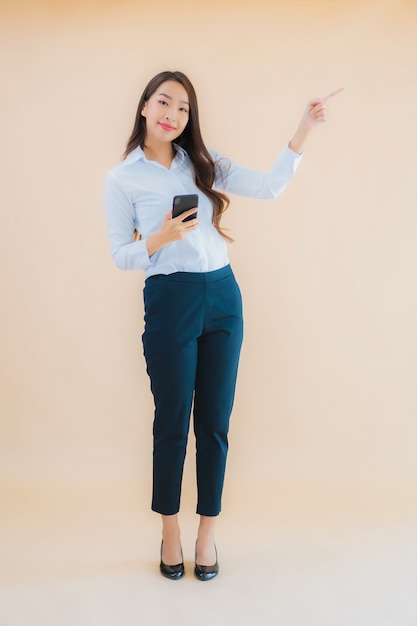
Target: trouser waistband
194, 277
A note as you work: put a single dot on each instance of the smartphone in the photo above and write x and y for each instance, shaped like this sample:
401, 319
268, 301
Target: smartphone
183, 203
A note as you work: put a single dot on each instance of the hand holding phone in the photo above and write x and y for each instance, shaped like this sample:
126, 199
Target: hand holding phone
184, 203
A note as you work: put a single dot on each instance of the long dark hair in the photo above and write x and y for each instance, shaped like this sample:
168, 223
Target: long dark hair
190, 139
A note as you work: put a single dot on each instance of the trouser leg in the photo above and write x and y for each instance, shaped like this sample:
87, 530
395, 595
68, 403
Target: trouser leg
170, 349
217, 366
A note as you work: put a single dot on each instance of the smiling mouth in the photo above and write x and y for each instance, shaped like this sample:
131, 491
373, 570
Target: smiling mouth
167, 126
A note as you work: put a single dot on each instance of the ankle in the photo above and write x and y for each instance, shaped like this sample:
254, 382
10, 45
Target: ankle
170, 526
206, 530
205, 539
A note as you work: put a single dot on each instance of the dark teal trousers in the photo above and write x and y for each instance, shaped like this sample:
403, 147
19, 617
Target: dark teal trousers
192, 339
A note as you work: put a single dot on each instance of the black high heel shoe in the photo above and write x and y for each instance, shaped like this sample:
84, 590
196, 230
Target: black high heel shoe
206, 572
174, 572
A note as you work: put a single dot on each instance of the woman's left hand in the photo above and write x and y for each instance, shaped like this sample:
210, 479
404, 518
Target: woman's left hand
314, 114
316, 111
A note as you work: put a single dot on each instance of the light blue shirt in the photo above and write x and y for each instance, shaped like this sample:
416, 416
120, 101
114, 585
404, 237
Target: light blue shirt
139, 192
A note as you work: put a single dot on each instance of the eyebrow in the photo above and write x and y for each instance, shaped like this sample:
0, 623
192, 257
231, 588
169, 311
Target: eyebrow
170, 98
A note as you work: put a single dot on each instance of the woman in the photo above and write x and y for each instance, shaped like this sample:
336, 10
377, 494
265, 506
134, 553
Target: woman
193, 314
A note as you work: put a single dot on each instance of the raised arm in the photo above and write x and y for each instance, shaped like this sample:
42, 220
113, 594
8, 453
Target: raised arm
244, 181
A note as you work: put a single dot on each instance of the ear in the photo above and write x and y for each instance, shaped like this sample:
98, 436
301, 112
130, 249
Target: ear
143, 112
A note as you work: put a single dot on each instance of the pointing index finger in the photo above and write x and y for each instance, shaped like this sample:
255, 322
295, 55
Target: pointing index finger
334, 93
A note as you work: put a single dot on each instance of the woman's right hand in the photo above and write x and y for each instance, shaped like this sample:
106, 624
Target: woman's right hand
172, 229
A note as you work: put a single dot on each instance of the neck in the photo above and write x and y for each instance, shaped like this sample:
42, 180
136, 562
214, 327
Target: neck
162, 152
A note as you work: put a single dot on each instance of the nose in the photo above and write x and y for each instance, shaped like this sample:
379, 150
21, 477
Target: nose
170, 115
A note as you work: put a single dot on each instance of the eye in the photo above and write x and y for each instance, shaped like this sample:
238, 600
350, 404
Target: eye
163, 102
184, 110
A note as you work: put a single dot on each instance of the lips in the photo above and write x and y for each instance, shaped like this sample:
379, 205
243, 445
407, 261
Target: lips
167, 126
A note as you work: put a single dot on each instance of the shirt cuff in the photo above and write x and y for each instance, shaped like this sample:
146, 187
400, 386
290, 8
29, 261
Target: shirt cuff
296, 155
133, 256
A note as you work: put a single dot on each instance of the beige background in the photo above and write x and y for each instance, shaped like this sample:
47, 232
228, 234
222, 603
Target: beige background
323, 431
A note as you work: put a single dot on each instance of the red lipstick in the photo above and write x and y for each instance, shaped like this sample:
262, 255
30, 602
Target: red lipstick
166, 126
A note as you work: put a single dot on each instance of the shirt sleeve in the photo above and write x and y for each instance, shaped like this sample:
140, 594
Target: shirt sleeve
244, 181
120, 216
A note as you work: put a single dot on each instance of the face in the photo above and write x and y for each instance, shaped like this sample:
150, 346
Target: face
166, 112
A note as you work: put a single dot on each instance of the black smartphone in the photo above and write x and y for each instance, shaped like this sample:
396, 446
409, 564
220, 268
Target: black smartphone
183, 203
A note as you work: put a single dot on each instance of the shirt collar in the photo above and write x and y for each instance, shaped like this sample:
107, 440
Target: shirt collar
138, 155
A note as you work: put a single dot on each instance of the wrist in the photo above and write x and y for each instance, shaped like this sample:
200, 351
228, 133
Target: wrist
299, 138
154, 242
